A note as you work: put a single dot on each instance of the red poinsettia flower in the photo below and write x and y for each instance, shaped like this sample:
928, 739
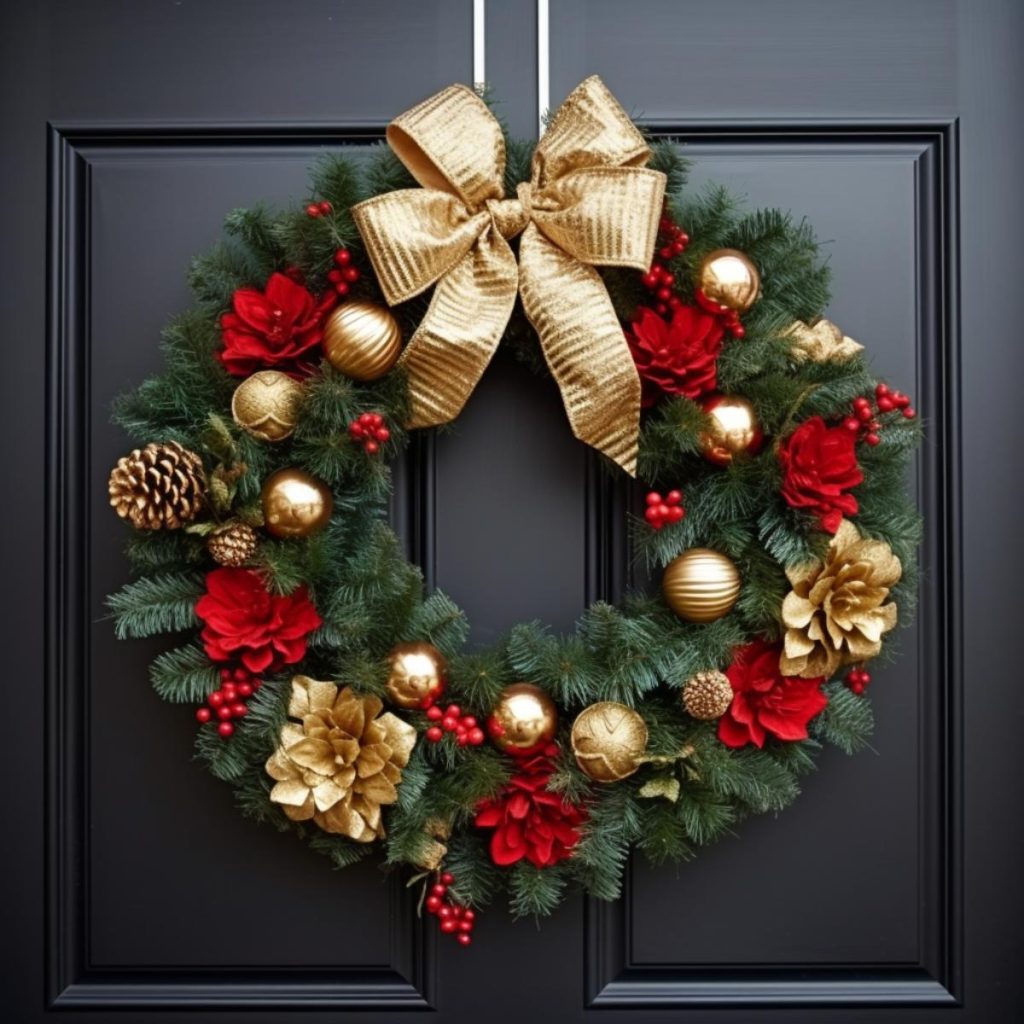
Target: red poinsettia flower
819, 466
764, 701
529, 821
677, 356
272, 328
245, 621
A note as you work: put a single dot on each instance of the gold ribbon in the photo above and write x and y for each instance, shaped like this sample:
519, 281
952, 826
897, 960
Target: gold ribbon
589, 203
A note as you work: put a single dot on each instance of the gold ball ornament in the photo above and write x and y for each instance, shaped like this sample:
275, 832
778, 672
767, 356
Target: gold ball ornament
362, 340
729, 277
295, 504
415, 671
608, 740
733, 429
701, 585
267, 405
523, 719
707, 695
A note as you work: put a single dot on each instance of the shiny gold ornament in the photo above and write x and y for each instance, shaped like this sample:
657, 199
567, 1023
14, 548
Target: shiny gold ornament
822, 343
340, 759
729, 277
267, 405
362, 340
524, 718
707, 695
589, 203
733, 429
295, 504
836, 612
701, 585
608, 740
159, 487
415, 671
232, 545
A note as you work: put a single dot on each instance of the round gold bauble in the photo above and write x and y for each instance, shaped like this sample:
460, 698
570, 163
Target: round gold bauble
729, 277
295, 504
415, 671
362, 340
523, 719
733, 429
707, 695
267, 405
701, 585
608, 740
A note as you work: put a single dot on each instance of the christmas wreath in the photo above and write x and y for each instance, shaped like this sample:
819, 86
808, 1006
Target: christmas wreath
339, 699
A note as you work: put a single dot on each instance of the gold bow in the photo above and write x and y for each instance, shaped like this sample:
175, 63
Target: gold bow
589, 202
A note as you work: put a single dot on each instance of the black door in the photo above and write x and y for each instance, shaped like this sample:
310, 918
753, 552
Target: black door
892, 888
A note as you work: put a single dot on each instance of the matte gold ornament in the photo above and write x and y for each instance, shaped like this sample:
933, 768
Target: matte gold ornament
701, 585
415, 671
729, 277
524, 718
362, 340
339, 759
823, 342
232, 545
267, 405
707, 695
159, 487
295, 504
608, 740
733, 429
836, 612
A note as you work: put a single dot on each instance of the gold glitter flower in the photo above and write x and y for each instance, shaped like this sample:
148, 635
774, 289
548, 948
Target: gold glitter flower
342, 763
822, 343
836, 612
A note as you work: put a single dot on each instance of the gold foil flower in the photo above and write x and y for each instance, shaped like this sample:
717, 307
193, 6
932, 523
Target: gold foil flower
836, 612
342, 763
822, 343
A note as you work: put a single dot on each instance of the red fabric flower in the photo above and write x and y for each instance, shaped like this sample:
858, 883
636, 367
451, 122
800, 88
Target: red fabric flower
677, 357
764, 701
245, 621
819, 465
529, 821
272, 328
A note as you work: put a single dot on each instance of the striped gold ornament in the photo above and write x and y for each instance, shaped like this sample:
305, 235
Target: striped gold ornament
362, 340
701, 585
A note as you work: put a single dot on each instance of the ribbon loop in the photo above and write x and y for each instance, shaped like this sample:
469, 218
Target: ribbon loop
588, 203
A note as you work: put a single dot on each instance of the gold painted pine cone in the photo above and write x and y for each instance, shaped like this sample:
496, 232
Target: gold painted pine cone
707, 695
161, 486
342, 763
836, 612
232, 545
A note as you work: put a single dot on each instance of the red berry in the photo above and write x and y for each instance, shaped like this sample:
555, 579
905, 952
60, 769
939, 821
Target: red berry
449, 724
334, 275
447, 878
239, 710
203, 714
435, 714
860, 402
652, 515
433, 904
738, 330
225, 673
351, 274
229, 690
343, 257
449, 925
851, 424
462, 738
675, 514
245, 689
366, 418
885, 404
325, 207
434, 734
857, 687
371, 447
653, 498
872, 439
476, 737
383, 434
341, 288
454, 711
465, 925
664, 294
674, 497
649, 280
224, 712
677, 247
464, 938
438, 889
445, 912
864, 413
313, 210
665, 252
226, 729
661, 309
881, 389
215, 699
909, 412
469, 721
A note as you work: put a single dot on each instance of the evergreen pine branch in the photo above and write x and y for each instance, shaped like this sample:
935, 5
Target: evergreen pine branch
156, 604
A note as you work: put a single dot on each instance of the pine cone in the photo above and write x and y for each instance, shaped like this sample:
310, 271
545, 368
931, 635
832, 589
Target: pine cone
707, 695
161, 486
340, 761
232, 545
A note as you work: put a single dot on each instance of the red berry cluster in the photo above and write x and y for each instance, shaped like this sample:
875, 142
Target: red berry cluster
455, 919
730, 317
672, 240
467, 730
343, 274
857, 679
236, 687
369, 431
662, 511
320, 209
864, 421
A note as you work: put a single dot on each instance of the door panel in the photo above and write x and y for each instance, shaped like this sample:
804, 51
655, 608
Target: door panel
890, 891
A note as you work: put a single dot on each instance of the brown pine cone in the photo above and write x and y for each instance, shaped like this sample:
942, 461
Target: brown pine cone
161, 486
232, 545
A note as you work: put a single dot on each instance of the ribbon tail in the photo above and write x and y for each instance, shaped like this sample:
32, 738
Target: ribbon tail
457, 338
584, 345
